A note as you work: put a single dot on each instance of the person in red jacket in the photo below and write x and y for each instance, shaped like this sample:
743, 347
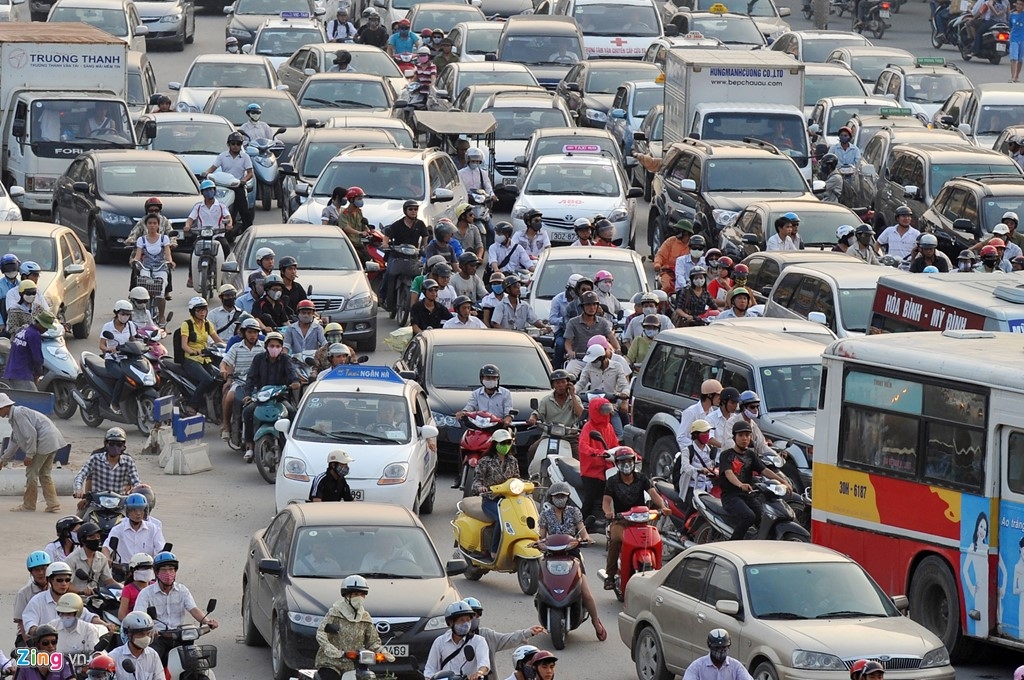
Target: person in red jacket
592, 461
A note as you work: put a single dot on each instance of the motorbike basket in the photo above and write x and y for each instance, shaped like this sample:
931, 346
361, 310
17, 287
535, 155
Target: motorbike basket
155, 287
197, 657
402, 268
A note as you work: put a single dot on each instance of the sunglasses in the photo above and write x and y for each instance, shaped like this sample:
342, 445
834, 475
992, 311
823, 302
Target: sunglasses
64, 579
47, 643
234, 144
116, 445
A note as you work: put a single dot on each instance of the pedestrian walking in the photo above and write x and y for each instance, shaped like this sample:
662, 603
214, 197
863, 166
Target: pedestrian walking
39, 438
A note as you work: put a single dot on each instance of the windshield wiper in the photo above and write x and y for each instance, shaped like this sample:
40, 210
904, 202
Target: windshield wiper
782, 615
345, 435
352, 102
384, 574
539, 192
151, 192
845, 614
522, 387
315, 100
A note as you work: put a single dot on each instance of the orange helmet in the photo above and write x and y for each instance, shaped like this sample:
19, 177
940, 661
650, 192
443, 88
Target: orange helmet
305, 304
997, 243
857, 668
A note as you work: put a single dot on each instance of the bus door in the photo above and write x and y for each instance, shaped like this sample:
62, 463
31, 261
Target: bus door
1009, 531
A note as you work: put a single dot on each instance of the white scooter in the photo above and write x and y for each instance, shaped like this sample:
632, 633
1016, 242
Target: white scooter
553, 461
189, 661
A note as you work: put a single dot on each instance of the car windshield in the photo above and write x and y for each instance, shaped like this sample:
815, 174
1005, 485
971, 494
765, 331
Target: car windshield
344, 94
192, 137
645, 99
818, 50
788, 132
828, 590
319, 154
790, 388
519, 122
504, 8
608, 80
136, 91
283, 42
540, 50
855, 306
227, 75
373, 552
572, 180
316, 253
838, 116
395, 181
466, 78
482, 40
934, 88
89, 124
277, 111
372, 62
994, 119
868, 68
755, 8
818, 227
614, 19
112, 21
994, 207
444, 19
407, 4
38, 249
553, 275
457, 367
753, 174
146, 178
272, 7
370, 420
731, 31
547, 146
831, 85
940, 173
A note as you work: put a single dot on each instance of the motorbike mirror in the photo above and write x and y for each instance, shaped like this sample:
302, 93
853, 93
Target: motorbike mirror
309, 290
470, 653
363, 359
113, 545
597, 437
282, 425
152, 613
513, 412
211, 605
128, 665
534, 403
167, 547
332, 628
82, 574
280, 131
309, 361
108, 335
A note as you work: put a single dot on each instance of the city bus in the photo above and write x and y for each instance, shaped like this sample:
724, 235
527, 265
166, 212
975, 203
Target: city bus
919, 475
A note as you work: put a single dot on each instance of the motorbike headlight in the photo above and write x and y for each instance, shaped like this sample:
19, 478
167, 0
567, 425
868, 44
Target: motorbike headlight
936, 657
559, 567
618, 215
724, 217
817, 661
116, 218
264, 161
394, 473
519, 211
443, 420
295, 469
189, 633
435, 623
109, 502
300, 619
169, 19
597, 116
361, 301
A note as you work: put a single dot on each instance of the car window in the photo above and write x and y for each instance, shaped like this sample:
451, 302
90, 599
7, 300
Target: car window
873, 151
278, 541
274, 530
689, 575
457, 366
332, 417
754, 225
802, 302
970, 208
723, 584
434, 176
954, 203
663, 368
786, 288
825, 303
915, 173
66, 257
374, 552
894, 85
619, 102
448, 172
696, 171
899, 168
698, 368
680, 170
881, 83
734, 375
766, 276
421, 411
76, 248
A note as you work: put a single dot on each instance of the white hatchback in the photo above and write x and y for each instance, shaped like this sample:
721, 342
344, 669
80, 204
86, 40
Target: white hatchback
381, 420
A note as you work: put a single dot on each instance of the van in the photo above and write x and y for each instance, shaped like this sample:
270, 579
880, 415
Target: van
950, 301
620, 29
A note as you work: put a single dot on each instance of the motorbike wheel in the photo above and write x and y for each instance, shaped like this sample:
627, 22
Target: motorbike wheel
235, 440
794, 537
473, 572
467, 482
878, 32
528, 575
808, 12
667, 528
402, 303
91, 416
266, 197
994, 60
705, 533
64, 405
268, 455
937, 40
144, 415
557, 626
965, 49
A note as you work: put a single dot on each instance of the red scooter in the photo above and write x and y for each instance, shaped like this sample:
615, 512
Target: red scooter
559, 596
641, 547
373, 241
474, 445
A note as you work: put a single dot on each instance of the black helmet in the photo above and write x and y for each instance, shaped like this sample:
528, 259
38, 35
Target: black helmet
287, 261
589, 298
468, 258
863, 229
236, 137
510, 280
67, 524
441, 270
503, 228
603, 225
966, 255
459, 301
444, 229
582, 280
827, 164
489, 371
698, 271
86, 530
719, 637
697, 242
410, 204
45, 630
730, 394
904, 210
559, 374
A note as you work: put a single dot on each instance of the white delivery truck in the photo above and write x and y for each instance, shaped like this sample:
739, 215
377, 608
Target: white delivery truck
732, 94
62, 92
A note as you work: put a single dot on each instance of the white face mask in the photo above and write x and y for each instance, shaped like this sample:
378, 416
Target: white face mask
143, 642
274, 295
490, 384
650, 332
697, 254
753, 415
68, 621
144, 575
605, 286
650, 310
357, 601
699, 281
29, 298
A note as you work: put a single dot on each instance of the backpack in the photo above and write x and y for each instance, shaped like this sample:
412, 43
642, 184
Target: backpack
179, 353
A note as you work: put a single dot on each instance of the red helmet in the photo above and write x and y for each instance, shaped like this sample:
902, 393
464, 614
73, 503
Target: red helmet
426, 32
857, 668
150, 202
740, 270
624, 454
305, 304
989, 251
997, 243
101, 667
725, 261
354, 193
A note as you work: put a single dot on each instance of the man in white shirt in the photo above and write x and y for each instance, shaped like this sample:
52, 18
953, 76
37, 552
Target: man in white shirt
710, 390
75, 636
137, 535
254, 128
474, 176
42, 608
506, 256
463, 319
785, 237
448, 652
340, 29
236, 163
900, 239
533, 240
716, 665
138, 630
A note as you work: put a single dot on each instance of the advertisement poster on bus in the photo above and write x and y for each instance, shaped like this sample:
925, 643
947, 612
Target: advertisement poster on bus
1010, 584
974, 543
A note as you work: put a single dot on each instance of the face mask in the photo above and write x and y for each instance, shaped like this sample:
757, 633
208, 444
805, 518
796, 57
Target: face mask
93, 543
559, 501
696, 254
358, 203
650, 332
718, 655
145, 575
342, 470
357, 601
68, 621
305, 318
528, 671
965, 266
503, 448
142, 642
437, 40
209, 193
490, 384
462, 628
122, 317
29, 298
497, 289
274, 295
844, 138
166, 577
753, 415
626, 468
254, 116
404, 32
11, 274
650, 310
474, 625
274, 352
712, 264
605, 286
699, 281
475, 164
703, 438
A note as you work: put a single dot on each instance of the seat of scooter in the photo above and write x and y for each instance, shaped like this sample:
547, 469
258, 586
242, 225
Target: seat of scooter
665, 489
98, 366
570, 469
714, 505
474, 507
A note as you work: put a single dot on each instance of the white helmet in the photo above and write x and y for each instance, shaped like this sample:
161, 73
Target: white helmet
339, 349
500, 436
1010, 215
138, 294
339, 456
122, 306
522, 652
474, 154
355, 583
58, 568
844, 231
197, 301
264, 252
140, 559
423, 50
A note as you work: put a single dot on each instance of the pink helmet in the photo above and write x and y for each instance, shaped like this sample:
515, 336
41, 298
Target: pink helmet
602, 275
598, 340
1019, 673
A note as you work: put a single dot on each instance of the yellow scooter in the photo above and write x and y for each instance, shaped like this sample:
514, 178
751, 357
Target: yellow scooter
518, 525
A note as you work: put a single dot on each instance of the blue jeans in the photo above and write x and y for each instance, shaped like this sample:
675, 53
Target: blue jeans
559, 360
490, 508
942, 19
202, 376
617, 424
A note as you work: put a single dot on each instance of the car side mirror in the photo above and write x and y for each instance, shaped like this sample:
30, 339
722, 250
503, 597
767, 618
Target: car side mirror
229, 267
247, 48
902, 603
785, 11
302, 189
671, 31
814, 128
963, 224
455, 567
618, 113
309, 71
287, 168
228, 9
964, 128
428, 431
140, 31
630, 162
270, 567
818, 317
688, 185
639, 136
868, 170
282, 425
910, 191
572, 87
490, 56
519, 161
817, 186
947, 120
18, 129
442, 94
16, 191
174, 86
441, 196
635, 192
407, 375
81, 187
73, 269
750, 240
728, 607
149, 129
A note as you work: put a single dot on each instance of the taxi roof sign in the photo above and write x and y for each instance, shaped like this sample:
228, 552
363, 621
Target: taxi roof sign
718, 8
362, 372
930, 61
295, 15
894, 111
695, 35
581, 148
660, 78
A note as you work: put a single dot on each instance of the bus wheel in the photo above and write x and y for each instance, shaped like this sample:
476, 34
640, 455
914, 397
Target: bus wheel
935, 604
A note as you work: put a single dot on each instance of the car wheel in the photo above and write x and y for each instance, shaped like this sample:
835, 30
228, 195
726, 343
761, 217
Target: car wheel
936, 605
81, 329
649, 660
94, 242
765, 671
191, 37
659, 462
794, 537
427, 506
250, 634
179, 45
281, 671
655, 231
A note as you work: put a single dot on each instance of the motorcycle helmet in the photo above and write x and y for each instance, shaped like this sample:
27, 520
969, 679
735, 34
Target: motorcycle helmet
413, 204
444, 229
58, 569
139, 295
122, 306
86, 530
135, 622
253, 111
66, 527
195, 303
333, 332
542, 657
827, 165
429, 285
605, 229
710, 388
147, 491
9, 264
236, 138
904, 210
589, 298
697, 245
489, 371
864, 234
996, 243
559, 489
523, 654
38, 558
272, 280
115, 434
45, 630
712, 255
559, 374
136, 501
725, 262
468, 259
928, 241
353, 193
698, 271
967, 255
740, 273
287, 261
989, 255
870, 667
503, 228
165, 559
736, 292
305, 305
719, 637
603, 275
473, 154
457, 609
501, 436
1010, 215
153, 202
461, 300
844, 232
510, 281
231, 45
730, 394
857, 668
475, 605
441, 271
583, 280
338, 349
699, 426
69, 603
28, 268
101, 667
207, 184
275, 336
264, 253
582, 224
140, 560
651, 321
354, 584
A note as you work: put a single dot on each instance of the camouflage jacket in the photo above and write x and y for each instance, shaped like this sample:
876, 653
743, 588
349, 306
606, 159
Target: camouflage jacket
356, 635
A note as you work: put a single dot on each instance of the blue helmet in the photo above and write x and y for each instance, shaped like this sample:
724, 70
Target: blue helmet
165, 558
29, 267
749, 397
136, 501
474, 604
38, 558
207, 184
253, 107
9, 259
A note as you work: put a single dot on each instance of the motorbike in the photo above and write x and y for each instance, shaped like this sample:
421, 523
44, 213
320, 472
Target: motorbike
876, 18
416, 96
481, 203
104, 602
995, 42
553, 460
181, 387
373, 242
404, 263
641, 547
362, 659
105, 508
268, 438
152, 337
474, 445
264, 153
150, 279
474, 529
61, 370
777, 522
208, 255
406, 62
675, 520
559, 596
93, 394
226, 183
187, 660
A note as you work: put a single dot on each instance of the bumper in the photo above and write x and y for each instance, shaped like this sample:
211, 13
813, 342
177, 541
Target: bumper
164, 33
37, 200
289, 490
359, 325
941, 673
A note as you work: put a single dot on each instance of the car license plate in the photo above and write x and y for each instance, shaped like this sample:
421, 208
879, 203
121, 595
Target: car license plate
397, 651
562, 237
884, 13
1000, 47
508, 180
357, 494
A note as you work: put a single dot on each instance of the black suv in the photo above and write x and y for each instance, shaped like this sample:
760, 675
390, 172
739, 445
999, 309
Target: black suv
709, 182
967, 208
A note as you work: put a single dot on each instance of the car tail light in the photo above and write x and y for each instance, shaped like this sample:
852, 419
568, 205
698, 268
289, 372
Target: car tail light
885, 5
1003, 37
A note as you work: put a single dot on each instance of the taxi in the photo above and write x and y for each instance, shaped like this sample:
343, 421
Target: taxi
381, 420
923, 87
278, 39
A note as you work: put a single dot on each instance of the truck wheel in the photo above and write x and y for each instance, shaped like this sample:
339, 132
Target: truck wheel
659, 462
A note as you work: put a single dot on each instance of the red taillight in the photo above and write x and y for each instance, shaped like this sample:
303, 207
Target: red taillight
1003, 37
885, 5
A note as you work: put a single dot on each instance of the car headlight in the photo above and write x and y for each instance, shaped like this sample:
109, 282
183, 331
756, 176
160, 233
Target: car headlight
169, 19
300, 619
519, 211
361, 301
936, 657
443, 420
297, 220
618, 215
239, 32
817, 661
724, 217
116, 218
185, 107
295, 469
435, 623
597, 116
394, 473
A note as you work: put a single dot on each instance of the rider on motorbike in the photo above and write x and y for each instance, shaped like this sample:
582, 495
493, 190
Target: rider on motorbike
828, 171
738, 464
355, 628
268, 368
42, 608
305, 334
447, 650
672, 248
402, 41
254, 128
64, 544
236, 163
77, 637
584, 232
623, 491
197, 333
371, 32
489, 397
153, 255
497, 467
36, 564
506, 256
332, 485
560, 406
87, 557
140, 575
473, 175
109, 468
521, 668
139, 297
45, 640
593, 464
136, 638
749, 411
235, 369
695, 467
137, 534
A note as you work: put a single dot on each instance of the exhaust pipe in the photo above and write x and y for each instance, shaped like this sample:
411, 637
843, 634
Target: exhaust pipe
79, 399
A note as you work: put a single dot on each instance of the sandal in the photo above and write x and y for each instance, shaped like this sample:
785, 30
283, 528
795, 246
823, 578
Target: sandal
602, 633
